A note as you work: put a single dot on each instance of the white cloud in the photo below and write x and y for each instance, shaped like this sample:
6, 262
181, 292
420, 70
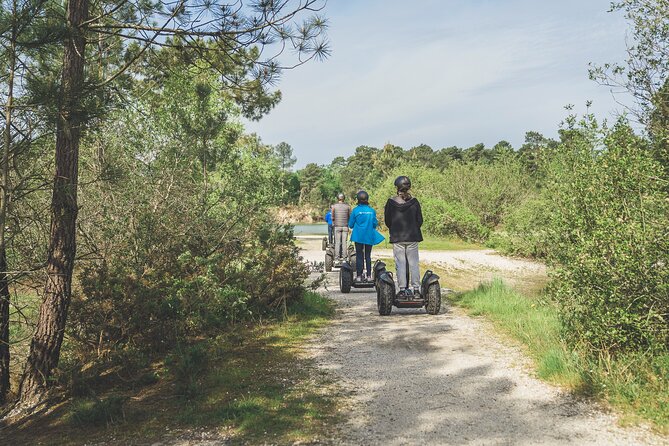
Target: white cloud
444, 73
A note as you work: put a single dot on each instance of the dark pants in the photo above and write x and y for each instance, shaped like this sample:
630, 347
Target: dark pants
330, 234
363, 252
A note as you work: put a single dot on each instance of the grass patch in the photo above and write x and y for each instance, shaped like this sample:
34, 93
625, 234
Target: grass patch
447, 244
534, 323
431, 243
636, 385
252, 384
267, 391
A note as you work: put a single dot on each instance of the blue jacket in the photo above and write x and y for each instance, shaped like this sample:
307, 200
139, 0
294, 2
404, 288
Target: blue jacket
328, 218
363, 222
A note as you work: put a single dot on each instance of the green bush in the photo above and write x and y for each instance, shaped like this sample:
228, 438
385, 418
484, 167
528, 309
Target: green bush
523, 231
466, 200
98, 412
607, 234
188, 364
451, 219
488, 190
180, 295
176, 251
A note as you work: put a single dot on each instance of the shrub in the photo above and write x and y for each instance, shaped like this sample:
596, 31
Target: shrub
464, 200
523, 231
608, 240
97, 412
187, 365
182, 295
173, 254
489, 191
452, 219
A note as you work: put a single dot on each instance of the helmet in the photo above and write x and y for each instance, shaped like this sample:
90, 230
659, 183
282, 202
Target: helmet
363, 197
403, 183
340, 196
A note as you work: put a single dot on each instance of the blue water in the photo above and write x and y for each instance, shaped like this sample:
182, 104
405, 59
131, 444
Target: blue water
312, 229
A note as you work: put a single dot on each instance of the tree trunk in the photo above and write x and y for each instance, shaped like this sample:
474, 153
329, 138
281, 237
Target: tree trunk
4, 196
48, 337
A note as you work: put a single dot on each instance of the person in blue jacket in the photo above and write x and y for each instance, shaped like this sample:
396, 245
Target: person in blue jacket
328, 220
363, 222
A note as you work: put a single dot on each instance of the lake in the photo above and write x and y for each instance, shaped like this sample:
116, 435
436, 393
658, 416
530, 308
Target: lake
311, 229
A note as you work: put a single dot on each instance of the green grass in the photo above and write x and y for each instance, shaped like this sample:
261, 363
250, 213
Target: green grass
447, 244
266, 390
636, 385
431, 243
533, 323
253, 384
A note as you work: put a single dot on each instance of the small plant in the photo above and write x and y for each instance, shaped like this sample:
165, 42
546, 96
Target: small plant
98, 412
187, 365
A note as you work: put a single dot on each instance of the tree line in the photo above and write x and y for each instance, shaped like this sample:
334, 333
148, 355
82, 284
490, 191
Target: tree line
317, 185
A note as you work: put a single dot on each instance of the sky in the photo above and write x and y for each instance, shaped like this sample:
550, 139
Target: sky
444, 73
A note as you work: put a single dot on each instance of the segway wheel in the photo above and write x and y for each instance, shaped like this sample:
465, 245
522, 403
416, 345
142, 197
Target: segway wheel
352, 259
433, 297
384, 298
345, 280
329, 263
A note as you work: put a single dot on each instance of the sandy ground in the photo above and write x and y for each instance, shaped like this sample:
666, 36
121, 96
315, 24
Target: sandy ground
446, 379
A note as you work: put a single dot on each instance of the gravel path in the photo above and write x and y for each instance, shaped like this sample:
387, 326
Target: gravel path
445, 379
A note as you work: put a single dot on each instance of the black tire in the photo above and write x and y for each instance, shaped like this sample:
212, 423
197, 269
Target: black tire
345, 280
329, 263
384, 298
433, 297
352, 258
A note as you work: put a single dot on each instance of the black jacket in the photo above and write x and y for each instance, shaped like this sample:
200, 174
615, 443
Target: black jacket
404, 220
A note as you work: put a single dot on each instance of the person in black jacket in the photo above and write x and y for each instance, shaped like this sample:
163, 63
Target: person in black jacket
403, 217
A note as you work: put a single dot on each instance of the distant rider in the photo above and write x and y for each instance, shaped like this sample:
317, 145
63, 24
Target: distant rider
403, 217
363, 221
328, 220
340, 215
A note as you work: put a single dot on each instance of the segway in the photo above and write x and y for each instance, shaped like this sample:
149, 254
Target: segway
346, 279
386, 297
331, 262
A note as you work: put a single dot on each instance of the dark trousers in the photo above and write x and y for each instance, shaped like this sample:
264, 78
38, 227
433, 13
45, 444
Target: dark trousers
330, 234
363, 252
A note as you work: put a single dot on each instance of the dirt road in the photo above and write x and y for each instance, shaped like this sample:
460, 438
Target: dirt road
446, 379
